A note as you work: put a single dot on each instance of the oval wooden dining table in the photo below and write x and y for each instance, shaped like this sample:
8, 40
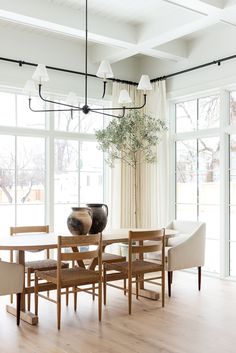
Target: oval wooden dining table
35, 242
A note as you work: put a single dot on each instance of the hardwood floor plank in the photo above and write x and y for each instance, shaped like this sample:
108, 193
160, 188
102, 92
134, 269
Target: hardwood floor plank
192, 321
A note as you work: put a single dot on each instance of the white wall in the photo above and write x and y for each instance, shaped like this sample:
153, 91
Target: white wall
40, 47
219, 42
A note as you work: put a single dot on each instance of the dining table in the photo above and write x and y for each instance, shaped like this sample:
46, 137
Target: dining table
43, 241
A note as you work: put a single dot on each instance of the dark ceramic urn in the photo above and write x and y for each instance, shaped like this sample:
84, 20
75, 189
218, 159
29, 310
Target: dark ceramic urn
80, 220
99, 217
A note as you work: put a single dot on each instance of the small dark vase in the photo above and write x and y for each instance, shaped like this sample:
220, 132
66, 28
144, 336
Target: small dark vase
80, 220
100, 214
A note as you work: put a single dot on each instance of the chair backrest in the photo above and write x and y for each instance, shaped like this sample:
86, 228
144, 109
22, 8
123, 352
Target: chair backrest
157, 238
29, 229
185, 227
74, 242
11, 278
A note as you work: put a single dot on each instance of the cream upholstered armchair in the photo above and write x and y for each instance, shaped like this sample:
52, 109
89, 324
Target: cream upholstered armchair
186, 249
12, 282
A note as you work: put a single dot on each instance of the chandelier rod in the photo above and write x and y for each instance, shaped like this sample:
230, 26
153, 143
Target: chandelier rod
86, 53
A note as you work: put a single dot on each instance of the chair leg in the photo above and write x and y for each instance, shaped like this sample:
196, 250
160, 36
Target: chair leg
18, 301
75, 298
36, 299
100, 300
29, 285
169, 283
130, 294
93, 291
67, 296
137, 284
104, 286
125, 286
58, 308
199, 277
11, 260
163, 288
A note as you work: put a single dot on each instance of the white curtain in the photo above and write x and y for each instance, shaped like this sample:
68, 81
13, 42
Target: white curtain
152, 178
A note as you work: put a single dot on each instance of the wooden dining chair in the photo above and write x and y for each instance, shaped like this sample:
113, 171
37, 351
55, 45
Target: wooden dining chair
12, 282
135, 270
38, 265
75, 277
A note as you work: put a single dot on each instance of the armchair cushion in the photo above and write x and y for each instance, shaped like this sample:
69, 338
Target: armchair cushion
11, 278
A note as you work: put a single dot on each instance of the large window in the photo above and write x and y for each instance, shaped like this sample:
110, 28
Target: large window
48, 163
197, 170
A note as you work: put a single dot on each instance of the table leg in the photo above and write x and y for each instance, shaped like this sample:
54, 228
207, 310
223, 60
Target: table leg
26, 316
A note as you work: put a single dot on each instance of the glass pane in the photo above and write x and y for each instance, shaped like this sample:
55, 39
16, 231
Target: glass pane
7, 220
30, 215
91, 187
7, 169
64, 121
233, 187
8, 109
186, 116
211, 216
232, 258
30, 173
91, 175
91, 122
186, 187
232, 151
232, 222
233, 107
208, 112
66, 156
61, 212
212, 256
186, 157
27, 118
209, 163
66, 187
186, 212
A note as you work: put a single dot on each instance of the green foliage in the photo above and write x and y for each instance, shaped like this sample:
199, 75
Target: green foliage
131, 139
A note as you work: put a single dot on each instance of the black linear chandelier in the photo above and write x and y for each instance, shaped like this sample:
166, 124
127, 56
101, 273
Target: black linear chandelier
40, 75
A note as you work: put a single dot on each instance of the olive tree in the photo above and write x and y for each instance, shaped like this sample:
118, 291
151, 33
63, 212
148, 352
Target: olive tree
133, 140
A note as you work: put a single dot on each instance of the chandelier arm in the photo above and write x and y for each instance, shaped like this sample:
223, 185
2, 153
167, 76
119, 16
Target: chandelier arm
128, 108
48, 110
55, 102
111, 115
104, 89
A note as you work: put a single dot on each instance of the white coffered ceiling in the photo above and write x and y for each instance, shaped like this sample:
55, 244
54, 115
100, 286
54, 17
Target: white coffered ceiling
120, 29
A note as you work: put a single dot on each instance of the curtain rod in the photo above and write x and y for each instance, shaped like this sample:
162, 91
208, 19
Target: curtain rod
22, 62
214, 62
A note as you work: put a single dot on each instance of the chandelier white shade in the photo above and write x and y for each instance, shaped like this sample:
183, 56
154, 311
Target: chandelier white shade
144, 83
124, 97
105, 70
40, 75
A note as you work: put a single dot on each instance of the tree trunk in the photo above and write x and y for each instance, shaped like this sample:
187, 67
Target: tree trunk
135, 196
6, 192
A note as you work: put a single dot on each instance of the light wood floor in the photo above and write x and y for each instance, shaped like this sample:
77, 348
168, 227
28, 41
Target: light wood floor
191, 322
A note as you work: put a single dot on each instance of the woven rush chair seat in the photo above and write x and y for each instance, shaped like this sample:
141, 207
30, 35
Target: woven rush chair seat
138, 266
43, 265
71, 276
108, 257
